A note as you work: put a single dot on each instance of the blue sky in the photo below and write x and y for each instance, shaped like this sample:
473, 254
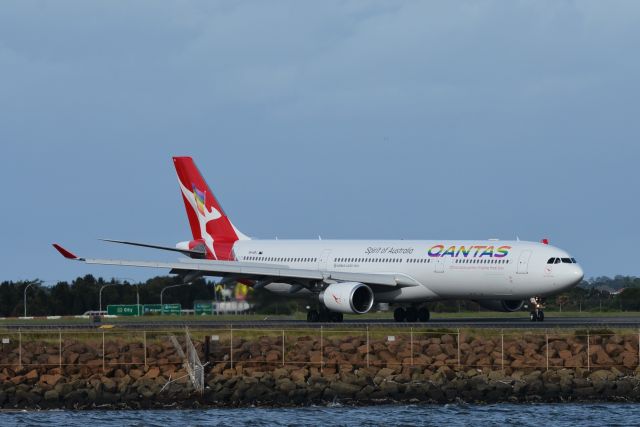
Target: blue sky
391, 119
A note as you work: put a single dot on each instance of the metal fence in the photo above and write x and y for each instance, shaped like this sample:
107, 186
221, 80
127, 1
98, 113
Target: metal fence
195, 368
320, 348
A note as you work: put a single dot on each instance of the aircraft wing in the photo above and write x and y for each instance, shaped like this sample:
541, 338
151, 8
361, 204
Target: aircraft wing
246, 270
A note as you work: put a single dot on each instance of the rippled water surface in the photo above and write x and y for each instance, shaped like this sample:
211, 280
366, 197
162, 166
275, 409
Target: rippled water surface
393, 415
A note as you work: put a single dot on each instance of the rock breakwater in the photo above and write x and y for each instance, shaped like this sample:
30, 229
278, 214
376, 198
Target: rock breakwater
279, 369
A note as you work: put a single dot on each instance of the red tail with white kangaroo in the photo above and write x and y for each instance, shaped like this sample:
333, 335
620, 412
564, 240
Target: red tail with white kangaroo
209, 224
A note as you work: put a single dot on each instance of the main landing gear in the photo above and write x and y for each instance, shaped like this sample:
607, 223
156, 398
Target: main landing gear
324, 315
537, 309
411, 314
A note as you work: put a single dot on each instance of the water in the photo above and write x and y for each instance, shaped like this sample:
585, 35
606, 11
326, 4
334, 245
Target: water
582, 414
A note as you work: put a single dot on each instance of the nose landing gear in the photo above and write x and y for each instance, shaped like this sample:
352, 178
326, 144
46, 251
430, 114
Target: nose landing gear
537, 309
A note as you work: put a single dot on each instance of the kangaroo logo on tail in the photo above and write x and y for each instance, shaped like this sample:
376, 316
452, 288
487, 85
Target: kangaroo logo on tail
208, 221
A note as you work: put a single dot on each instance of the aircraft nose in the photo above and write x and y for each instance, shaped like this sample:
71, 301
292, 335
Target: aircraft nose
578, 274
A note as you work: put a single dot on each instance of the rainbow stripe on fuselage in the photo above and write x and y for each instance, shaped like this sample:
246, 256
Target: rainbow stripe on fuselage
469, 251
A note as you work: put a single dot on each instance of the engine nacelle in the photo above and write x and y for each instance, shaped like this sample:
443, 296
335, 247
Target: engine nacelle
501, 305
197, 245
348, 297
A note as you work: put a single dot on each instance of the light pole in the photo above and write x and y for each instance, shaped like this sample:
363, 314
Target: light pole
162, 292
25, 296
100, 294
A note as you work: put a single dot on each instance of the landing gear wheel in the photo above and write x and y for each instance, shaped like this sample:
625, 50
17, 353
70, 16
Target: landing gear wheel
537, 309
423, 314
336, 317
325, 316
411, 314
399, 314
312, 316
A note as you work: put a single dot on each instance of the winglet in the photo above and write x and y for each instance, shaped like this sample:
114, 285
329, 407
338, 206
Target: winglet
65, 253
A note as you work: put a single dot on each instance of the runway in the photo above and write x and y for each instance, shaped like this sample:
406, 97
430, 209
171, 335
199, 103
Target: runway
599, 322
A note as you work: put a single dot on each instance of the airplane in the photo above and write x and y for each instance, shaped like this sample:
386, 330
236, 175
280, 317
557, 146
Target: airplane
349, 276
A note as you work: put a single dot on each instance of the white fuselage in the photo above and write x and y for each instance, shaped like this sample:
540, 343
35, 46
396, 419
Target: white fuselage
452, 269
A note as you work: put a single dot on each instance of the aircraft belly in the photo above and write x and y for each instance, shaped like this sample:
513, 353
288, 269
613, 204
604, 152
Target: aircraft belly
470, 285
284, 289
406, 294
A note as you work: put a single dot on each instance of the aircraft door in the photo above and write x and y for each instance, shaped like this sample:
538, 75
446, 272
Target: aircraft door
439, 265
323, 262
523, 262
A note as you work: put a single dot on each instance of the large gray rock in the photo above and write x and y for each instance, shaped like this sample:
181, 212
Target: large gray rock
364, 394
28, 397
285, 385
51, 395
344, 389
602, 375
257, 392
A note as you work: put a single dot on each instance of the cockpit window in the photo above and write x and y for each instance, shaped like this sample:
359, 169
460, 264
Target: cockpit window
567, 260
574, 260
557, 261
551, 260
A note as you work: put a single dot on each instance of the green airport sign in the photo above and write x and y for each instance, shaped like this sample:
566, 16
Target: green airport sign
152, 309
171, 309
200, 308
124, 310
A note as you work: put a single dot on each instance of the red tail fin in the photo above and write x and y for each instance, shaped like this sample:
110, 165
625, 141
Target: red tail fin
208, 221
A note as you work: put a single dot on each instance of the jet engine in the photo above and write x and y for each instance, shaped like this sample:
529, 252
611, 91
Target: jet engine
501, 305
347, 297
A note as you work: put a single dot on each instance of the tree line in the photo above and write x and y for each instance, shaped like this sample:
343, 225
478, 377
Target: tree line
82, 295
